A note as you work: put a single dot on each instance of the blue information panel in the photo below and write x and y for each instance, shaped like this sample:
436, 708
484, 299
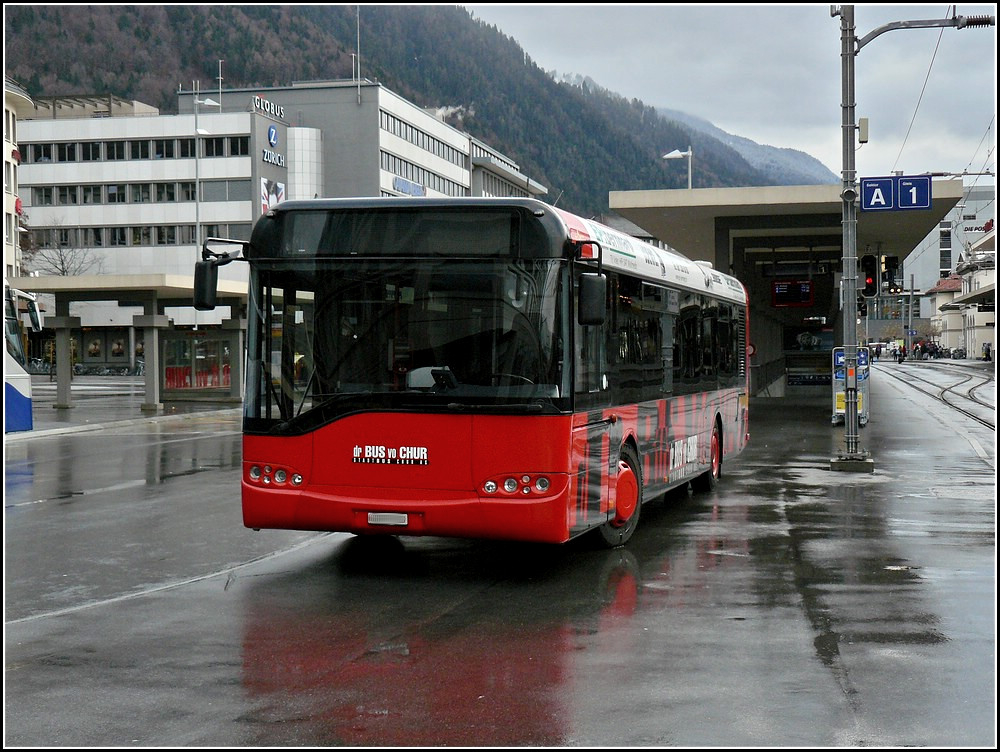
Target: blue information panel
839, 382
897, 192
840, 358
914, 193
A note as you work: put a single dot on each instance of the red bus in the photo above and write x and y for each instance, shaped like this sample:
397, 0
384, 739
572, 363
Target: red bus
487, 368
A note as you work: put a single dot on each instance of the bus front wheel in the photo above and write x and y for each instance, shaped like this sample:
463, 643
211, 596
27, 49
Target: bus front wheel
709, 479
628, 500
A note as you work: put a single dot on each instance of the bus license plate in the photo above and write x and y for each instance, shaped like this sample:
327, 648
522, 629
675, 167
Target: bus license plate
388, 518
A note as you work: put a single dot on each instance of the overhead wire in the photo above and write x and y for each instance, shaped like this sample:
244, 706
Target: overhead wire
966, 190
919, 99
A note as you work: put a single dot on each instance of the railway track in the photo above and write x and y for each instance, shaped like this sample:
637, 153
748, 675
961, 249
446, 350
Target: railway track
971, 392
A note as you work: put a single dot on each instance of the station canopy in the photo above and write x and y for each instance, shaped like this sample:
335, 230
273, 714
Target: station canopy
701, 223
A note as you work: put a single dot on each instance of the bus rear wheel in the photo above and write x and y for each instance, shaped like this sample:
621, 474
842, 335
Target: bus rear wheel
628, 500
709, 479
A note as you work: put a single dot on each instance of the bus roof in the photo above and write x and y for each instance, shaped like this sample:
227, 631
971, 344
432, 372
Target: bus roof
626, 253
620, 251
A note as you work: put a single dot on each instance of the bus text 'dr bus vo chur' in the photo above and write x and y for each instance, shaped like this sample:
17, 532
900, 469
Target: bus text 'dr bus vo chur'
490, 368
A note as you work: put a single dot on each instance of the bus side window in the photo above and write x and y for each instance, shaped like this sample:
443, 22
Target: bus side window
590, 366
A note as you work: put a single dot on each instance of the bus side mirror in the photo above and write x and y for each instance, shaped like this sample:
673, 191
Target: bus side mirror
35, 316
206, 284
593, 294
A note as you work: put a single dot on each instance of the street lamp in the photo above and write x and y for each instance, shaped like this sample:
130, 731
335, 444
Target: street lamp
676, 154
855, 458
197, 178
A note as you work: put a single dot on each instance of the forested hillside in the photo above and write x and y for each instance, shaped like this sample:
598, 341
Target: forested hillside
580, 141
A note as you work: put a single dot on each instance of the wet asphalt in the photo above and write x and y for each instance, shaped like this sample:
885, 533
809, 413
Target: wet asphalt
793, 606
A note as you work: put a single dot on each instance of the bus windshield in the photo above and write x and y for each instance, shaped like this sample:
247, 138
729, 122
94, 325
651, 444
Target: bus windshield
12, 328
337, 335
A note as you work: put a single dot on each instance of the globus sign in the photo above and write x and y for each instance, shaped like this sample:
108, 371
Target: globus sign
268, 108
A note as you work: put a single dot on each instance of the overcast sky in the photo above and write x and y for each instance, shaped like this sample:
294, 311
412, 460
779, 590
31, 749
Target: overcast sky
772, 73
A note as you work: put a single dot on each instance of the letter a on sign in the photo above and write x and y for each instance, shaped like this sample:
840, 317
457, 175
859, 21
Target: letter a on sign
877, 194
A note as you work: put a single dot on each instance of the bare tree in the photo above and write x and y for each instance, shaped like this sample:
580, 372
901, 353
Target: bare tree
60, 254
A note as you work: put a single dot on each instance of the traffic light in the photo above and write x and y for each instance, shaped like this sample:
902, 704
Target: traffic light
890, 265
869, 275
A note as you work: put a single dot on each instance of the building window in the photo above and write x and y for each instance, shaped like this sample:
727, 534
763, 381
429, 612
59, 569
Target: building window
41, 238
90, 151
214, 190
67, 152
93, 194
114, 150
117, 236
116, 193
42, 196
188, 192
138, 149
166, 235
166, 192
163, 148
140, 193
68, 195
141, 235
187, 234
93, 237
239, 190
239, 146
41, 152
240, 231
66, 237
215, 147
185, 148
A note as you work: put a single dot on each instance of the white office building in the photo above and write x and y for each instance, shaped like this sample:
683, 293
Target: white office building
111, 190
110, 185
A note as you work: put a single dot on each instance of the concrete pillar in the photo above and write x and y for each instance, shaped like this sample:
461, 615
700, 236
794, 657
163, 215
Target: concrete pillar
237, 346
64, 326
151, 325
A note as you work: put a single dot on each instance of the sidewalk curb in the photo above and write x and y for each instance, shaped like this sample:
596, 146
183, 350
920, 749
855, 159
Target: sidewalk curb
23, 436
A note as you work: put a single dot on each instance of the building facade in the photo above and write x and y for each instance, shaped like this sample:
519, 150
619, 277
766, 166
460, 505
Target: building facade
16, 104
112, 187
977, 302
375, 143
937, 256
946, 321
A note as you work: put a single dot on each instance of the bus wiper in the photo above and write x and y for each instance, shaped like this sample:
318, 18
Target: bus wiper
308, 416
530, 407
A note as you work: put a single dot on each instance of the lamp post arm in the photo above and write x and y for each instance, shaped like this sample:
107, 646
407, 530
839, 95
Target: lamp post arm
960, 22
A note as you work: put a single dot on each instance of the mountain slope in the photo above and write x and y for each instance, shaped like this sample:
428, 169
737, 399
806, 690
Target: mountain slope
784, 166
580, 141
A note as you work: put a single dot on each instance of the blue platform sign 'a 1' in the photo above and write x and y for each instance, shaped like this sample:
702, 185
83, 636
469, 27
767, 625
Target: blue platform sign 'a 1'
895, 193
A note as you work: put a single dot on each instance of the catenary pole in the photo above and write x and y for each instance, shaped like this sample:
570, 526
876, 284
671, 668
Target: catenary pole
855, 458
